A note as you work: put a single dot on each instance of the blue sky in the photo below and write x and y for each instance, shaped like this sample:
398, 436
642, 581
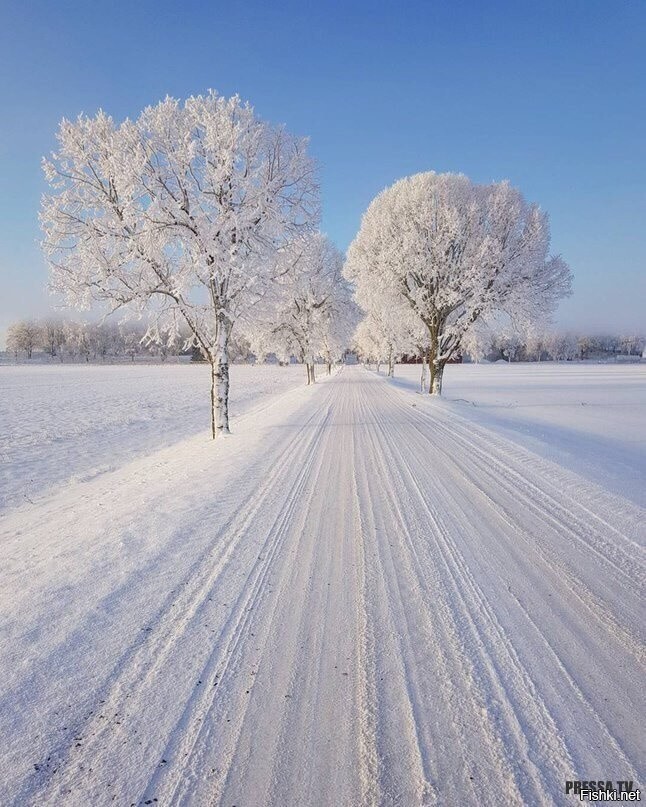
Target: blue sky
550, 95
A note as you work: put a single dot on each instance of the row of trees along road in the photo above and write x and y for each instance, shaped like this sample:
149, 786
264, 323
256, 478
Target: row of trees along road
201, 216
437, 255
186, 214
309, 311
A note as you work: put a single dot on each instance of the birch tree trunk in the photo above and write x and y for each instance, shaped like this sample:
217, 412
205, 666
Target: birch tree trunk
220, 378
220, 397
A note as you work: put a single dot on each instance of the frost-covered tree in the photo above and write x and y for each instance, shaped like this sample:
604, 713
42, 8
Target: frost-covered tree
13, 340
390, 333
52, 336
631, 344
384, 335
535, 343
510, 344
457, 252
338, 329
239, 348
104, 340
337, 323
308, 312
586, 345
366, 342
562, 346
24, 336
391, 328
77, 339
608, 343
176, 214
478, 342
132, 339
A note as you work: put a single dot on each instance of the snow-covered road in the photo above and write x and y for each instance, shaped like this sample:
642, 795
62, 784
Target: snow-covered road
362, 598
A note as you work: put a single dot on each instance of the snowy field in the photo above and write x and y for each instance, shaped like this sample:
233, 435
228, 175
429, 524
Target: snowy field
590, 418
363, 597
67, 423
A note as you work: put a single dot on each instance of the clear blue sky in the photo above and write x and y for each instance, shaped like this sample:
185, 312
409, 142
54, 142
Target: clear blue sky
551, 95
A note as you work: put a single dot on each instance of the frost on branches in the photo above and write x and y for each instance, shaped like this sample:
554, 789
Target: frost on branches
308, 312
385, 334
389, 329
457, 253
176, 214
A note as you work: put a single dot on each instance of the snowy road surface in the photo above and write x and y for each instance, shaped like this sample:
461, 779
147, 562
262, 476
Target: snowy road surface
361, 598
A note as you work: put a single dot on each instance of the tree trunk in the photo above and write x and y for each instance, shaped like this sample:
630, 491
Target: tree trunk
391, 367
378, 365
435, 365
437, 373
220, 379
422, 381
436, 361
329, 368
311, 378
219, 397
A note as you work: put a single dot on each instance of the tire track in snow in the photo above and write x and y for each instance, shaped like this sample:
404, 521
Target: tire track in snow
474, 470
403, 774
371, 795
144, 662
265, 751
458, 668
459, 460
475, 466
624, 555
522, 721
330, 667
171, 785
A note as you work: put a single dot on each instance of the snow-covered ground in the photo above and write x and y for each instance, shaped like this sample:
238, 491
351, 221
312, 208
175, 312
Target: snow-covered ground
364, 597
67, 423
588, 417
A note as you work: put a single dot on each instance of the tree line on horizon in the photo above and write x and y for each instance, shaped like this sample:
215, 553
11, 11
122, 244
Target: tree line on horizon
65, 340
77, 341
